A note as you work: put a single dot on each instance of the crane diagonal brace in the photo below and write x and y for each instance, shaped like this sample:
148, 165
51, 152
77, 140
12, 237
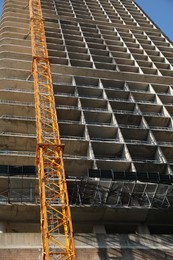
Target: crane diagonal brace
56, 223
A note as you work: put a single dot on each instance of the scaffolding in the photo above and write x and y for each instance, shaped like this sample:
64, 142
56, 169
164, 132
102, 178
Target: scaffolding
95, 192
120, 194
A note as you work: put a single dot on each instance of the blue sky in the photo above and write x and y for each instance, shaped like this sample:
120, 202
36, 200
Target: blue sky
1, 3
161, 12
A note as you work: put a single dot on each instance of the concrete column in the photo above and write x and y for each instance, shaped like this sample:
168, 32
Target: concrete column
2, 227
143, 229
99, 229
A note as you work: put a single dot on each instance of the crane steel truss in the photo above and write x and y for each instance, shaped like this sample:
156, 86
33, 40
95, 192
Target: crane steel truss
56, 223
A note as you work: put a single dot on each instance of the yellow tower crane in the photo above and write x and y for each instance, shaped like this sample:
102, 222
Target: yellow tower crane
56, 223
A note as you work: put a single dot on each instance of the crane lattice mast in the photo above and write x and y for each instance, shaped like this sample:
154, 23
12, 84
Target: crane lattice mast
56, 223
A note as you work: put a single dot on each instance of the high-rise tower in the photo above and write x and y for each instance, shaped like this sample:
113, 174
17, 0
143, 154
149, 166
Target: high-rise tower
112, 70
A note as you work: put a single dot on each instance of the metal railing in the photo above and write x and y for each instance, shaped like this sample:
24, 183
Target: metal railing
132, 126
19, 103
127, 112
17, 117
165, 128
17, 153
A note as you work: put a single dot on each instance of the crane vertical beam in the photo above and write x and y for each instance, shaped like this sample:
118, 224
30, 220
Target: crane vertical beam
56, 222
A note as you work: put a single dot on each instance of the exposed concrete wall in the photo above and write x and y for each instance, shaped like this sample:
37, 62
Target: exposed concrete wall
96, 247
111, 71
20, 254
94, 254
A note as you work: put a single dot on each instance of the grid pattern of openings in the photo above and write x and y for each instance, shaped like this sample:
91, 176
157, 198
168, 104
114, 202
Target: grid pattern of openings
98, 117
120, 125
137, 14
108, 119
105, 35
17, 115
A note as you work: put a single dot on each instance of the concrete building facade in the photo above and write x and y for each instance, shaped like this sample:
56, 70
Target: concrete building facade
112, 72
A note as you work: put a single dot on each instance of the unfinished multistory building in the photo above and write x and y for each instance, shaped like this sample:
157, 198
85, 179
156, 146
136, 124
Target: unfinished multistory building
112, 71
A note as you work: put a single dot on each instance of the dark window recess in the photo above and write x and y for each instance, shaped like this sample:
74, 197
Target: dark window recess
17, 170
13, 170
94, 173
29, 170
161, 229
120, 229
106, 174
4, 169
153, 177
119, 176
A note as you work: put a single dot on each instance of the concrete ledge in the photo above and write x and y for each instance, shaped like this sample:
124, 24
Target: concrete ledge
92, 241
